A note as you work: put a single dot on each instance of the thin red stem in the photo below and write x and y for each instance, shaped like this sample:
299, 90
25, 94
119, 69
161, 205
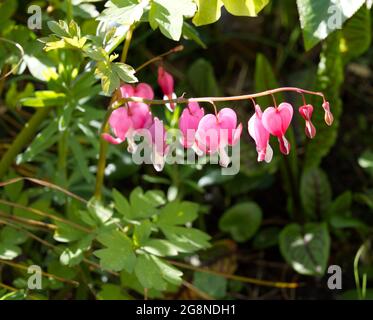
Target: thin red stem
217, 99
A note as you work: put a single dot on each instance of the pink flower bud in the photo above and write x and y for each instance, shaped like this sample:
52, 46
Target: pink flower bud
328, 115
166, 82
306, 113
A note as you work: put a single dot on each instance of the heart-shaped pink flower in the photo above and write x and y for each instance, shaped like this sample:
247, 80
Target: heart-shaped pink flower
276, 121
214, 133
135, 115
260, 136
142, 90
188, 123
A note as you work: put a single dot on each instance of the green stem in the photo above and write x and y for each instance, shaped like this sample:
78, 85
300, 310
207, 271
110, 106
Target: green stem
69, 10
62, 156
105, 127
27, 133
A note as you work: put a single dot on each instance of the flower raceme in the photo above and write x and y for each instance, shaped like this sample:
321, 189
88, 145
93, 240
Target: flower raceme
205, 134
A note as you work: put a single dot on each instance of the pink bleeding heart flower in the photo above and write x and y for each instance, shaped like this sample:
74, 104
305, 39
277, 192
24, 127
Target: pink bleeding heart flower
328, 115
120, 123
306, 113
188, 124
215, 132
276, 121
142, 90
166, 82
124, 121
159, 145
260, 136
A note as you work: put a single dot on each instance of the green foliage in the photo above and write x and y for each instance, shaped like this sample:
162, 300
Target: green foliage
209, 10
168, 16
315, 193
214, 286
329, 81
9, 241
242, 221
320, 18
306, 248
118, 254
356, 34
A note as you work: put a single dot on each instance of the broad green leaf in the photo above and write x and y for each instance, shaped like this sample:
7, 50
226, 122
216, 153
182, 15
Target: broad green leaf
315, 193
12, 236
67, 233
168, 272
125, 72
190, 33
245, 7
8, 8
186, 239
43, 140
319, 18
178, 213
98, 211
118, 254
306, 248
56, 268
60, 28
112, 292
208, 12
147, 272
112, 73
121, 204
215, 286
341, 205
46, 98
73, 255
341, 222
160, 247
141, 205
9, 251
124, 12
142, 232
168, 15
242, 221
356, 34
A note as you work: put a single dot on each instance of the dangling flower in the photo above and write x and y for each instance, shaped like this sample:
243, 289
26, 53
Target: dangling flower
328, 115
124, 121
142, 90
306, 113
166, 82
260, 136
214, 133
188, 125
276, 121
159, 145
